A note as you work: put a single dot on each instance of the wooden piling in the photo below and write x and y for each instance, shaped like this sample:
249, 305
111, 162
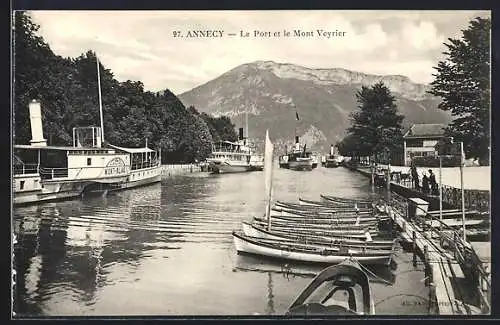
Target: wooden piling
426, 265
414, 239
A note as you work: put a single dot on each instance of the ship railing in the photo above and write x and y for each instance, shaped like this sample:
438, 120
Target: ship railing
26, 169
51, 173
145, 164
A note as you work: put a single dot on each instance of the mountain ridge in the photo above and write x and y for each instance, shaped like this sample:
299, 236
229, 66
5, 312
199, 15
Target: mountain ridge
272, 92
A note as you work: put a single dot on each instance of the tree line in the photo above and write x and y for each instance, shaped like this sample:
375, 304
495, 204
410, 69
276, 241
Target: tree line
68, 91
462, 81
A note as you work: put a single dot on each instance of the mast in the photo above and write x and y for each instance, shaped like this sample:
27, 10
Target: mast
462, 188
268, 171
246, 125
100, 100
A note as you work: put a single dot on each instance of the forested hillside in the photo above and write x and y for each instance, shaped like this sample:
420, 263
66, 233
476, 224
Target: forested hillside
68, 91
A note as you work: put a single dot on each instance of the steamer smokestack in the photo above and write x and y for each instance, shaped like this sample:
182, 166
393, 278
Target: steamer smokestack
241, 134
331, 149
37, 139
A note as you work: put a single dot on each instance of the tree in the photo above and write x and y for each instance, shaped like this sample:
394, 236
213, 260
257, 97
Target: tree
68, 91
463, 82
376, 127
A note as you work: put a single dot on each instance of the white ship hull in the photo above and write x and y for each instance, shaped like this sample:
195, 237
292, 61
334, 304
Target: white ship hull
66, 188
229, 167
301, 164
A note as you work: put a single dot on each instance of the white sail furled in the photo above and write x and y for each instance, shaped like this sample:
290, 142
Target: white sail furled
268, 173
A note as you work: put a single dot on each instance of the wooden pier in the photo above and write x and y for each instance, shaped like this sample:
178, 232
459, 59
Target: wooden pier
443, 253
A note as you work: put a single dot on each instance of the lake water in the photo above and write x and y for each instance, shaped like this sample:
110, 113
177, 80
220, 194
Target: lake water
167, 249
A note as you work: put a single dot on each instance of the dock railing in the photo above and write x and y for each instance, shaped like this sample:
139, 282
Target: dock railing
449, 241
473, 199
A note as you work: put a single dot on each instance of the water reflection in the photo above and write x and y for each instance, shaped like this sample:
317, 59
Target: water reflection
171, 245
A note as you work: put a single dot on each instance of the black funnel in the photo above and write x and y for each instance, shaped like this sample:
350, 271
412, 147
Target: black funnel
240, 134
296, 139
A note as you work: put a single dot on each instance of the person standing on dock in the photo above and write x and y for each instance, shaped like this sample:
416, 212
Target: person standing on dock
425, 184
432, 183
414, 176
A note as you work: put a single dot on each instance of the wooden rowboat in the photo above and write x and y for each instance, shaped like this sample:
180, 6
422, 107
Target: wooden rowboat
342, 289
344, 199
261, 232
324, 231
336, 209
317, 223
323, 215
333, 205
324, 211
305, 253
326, 218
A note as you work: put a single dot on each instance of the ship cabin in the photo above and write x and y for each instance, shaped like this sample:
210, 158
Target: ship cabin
298, 152
85, 160
230, 150
37, 165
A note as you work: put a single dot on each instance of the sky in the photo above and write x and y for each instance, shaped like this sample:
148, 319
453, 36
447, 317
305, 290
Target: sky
141, 45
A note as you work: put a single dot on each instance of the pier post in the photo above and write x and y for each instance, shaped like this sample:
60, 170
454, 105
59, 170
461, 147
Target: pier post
373, 177
426, 265
389, 181
414, 239
455, 241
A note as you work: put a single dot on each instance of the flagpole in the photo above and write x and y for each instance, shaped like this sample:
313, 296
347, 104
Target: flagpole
440, 192
100, 100
462, 186
246, 125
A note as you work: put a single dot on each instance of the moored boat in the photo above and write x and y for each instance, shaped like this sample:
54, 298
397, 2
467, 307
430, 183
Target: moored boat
327, 220
323, 211
320, 230
47, 172
256, 231
306, 253
299, 158
234, 157
342, 289
334, 205
332, 160
319, 223
336, 199
314, 161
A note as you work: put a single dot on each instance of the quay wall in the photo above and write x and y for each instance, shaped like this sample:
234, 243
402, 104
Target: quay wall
180, 169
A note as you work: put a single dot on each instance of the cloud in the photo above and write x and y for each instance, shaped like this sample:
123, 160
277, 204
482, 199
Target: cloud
140, 45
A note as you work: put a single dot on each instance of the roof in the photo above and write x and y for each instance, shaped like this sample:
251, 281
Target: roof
131, 150
425, 130
62, 148
229, 142
68, 148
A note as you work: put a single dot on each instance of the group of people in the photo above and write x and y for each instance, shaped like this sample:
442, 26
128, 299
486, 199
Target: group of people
429, 185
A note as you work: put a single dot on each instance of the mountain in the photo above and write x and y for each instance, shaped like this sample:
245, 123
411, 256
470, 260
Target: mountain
272, 93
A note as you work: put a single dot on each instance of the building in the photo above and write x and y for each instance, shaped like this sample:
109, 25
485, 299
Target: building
420, 140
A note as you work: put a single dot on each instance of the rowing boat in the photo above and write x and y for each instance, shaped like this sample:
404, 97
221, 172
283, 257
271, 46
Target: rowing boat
342, 289
261, 232
302, 209
326, 218
332, 204
307, 253
344, 200
301, 229
318, 223
321, 214
333, 208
